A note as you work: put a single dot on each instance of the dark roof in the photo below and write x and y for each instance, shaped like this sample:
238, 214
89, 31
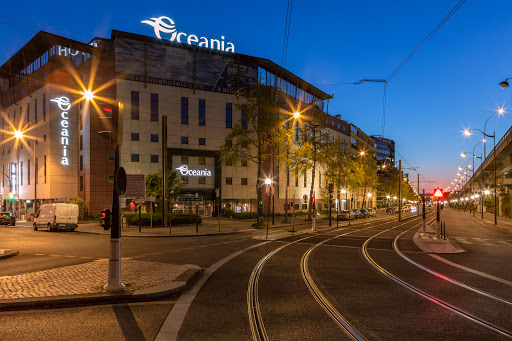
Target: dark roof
35, 47
261, 62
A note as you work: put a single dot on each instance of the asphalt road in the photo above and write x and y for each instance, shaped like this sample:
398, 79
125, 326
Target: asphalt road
337, 263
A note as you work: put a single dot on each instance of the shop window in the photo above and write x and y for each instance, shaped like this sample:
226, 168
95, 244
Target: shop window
229, 181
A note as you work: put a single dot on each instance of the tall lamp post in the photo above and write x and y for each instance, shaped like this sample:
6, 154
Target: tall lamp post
493, 136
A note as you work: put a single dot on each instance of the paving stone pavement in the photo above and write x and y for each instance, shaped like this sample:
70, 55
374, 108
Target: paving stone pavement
87, 278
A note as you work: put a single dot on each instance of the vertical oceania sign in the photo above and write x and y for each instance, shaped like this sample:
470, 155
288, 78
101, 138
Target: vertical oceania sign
64, 105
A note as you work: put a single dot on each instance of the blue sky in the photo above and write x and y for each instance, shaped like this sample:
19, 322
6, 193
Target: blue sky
451, 84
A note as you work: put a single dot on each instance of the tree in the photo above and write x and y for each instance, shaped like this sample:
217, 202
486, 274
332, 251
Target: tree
81, 205
154, 185
339, 166
260, 132
313, 151
366, 174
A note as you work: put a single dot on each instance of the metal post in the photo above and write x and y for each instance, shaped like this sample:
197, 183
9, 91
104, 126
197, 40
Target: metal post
313, 219
114, 265
418, 203
164, 170
170, 219
424, 230
330, 208
140, 217
268, 213
197, 217
400, 190
293, 216
35, 181
438, 222
346, 198
151, 214
495, 192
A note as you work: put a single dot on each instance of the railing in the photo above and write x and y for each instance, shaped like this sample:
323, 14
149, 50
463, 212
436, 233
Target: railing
488, 157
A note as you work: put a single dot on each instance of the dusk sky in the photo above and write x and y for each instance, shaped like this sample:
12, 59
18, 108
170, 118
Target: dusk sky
451, 84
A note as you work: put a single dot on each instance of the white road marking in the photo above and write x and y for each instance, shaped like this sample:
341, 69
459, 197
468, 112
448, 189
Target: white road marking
476, 272
463, 240
504, 242
39, 254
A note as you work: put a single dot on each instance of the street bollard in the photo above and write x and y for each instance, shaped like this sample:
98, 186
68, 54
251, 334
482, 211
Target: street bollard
140, 219
197, 217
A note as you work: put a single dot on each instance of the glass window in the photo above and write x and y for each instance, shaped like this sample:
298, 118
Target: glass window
305, 179
229, 181
202, 141
244, 162
202, 180
184, 140
229, 143
184, 160
184, 110
202, 112
304, 206
154, 158
229, 115
135, 157
81, 142
111, 156
35, 110
154, 107
184, 180
244, 181
135, 136
44, 107
135, 105
81, 183
202, 161
154, 137
28, 112
81, 162
244, 120
353, 141
111, 178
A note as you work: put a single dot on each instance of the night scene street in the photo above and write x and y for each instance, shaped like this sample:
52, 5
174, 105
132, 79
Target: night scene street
234, 170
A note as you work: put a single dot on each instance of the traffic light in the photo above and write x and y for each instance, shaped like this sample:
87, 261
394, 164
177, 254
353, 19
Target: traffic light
112, 117
313, 201
11, 196
105, 216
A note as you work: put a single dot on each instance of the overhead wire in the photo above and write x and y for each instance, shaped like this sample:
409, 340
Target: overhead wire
287, 25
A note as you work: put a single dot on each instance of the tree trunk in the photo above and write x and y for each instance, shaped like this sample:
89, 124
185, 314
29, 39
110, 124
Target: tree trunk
258, 190
312, 189
286, 194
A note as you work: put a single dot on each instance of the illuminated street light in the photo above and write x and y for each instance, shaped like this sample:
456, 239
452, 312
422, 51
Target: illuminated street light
362, 153
467, 132
487, 192
504, 84
463, 154
343, 191
296, 114
268, 181
369, 195
88, 95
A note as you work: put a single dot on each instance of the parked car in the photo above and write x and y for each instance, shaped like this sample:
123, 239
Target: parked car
365, 213
373, 212
357, 213
344, 215
7, 218
57, 216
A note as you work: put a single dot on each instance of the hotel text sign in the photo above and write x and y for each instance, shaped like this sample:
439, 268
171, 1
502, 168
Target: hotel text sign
64, 105
192, 172
166, 25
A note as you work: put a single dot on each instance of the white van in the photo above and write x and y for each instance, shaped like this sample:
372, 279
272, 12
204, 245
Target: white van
56, 216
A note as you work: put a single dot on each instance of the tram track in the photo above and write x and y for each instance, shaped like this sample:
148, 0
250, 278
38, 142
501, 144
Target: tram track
258, 330
426, 295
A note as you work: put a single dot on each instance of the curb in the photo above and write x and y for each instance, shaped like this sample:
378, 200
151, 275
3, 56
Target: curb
486, 224
10, 253
175, 288
166, 236
435, 246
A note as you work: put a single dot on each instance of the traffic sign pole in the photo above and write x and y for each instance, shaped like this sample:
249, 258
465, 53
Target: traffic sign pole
424, 233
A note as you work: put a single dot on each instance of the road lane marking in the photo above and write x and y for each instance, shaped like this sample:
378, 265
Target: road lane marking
476, 272
463, 240
504, 242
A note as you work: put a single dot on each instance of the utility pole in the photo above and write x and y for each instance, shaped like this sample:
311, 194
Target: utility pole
424, 231
400, 190
164, 170
418, 203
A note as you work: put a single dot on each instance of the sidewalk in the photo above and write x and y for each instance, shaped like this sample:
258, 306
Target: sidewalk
83, 284
504, 223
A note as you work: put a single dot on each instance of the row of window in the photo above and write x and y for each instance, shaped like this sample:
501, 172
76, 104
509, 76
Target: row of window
21, 172
136, 158
16, 117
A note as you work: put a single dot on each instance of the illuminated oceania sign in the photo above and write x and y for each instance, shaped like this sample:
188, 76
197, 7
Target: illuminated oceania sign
64, 105
189, 172
166, 25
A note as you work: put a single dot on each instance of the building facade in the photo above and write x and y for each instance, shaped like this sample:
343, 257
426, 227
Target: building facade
63, 154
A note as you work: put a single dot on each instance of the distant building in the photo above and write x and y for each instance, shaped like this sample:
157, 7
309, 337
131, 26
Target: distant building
385, 151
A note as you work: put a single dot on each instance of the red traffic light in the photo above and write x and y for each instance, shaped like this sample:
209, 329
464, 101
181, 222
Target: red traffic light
313, 200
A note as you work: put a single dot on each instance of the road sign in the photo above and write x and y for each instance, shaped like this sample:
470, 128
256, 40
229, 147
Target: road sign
191, 199
135, 186
438, 193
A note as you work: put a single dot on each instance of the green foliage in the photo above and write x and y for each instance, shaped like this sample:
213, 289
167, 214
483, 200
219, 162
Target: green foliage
228, 213
177, 218
81, 206
154, 185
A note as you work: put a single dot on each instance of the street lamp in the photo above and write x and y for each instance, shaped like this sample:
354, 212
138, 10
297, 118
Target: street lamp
504, 84
296, 115
468, 132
